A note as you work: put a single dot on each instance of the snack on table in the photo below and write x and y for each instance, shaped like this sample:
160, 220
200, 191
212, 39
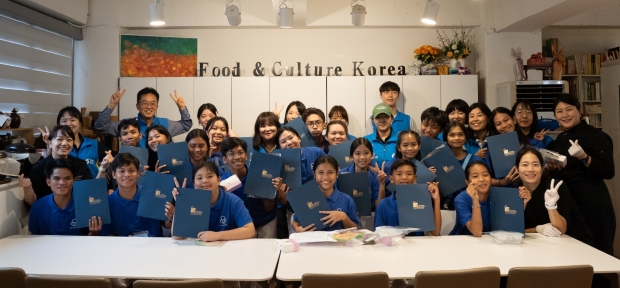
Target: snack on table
348, 235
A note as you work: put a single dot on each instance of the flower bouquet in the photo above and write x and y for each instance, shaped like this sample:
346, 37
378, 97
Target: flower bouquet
427, 54
455, 48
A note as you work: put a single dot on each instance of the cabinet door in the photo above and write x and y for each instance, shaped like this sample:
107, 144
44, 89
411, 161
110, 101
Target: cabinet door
459, 87
349, 92
373, 96
421, 92
127, 106
167, 108
309, 90
250, 97
214, 90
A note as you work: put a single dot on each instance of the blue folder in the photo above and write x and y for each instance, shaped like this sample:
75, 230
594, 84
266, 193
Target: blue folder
191, 213
423, 174
301, 128
90, 198
291, 166
248, 141
415, 207
357, 185
506, 210
176, 159
307, 201
156, 191
264, 168
503, 149
141, 153
427, 145
450, 173
342, 153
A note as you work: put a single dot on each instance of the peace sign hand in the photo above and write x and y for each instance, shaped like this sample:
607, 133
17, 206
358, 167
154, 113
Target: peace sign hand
178, 100
552, 196
45, 135
277, 111
381, 176
575, 149
541, 135
175, 192
116, 98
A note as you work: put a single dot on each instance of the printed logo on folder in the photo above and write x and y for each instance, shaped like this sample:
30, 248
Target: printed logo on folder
93, 201
266, 174
194, 212
312, 205
288, 168
176, 162
348, 159
508, 211
448, 169
508, 152
159, 195
417, 206
357, 193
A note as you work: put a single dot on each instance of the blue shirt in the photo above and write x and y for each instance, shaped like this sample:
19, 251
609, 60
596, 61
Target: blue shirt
373, 180
308, 156
401, 122
387, 214
125, 219
537, 143
384, 152
463, 206
260, 216
228, 213
156, 121
89, 152
47, 219
339, 201
350, 137
472, 146
217, 159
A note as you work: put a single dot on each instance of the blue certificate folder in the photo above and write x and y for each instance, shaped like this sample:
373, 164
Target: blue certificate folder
423, 174
90, 198
427, 145
176, 159
248, 141
415, 207
141, 153
156, 191
264, 168
299, 126
191, 213
503, 149
450, 173
291, 166
506, 210
307, 201
357, 185
342, 153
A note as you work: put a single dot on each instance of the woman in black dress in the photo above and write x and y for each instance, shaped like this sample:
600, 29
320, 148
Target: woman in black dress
589, 153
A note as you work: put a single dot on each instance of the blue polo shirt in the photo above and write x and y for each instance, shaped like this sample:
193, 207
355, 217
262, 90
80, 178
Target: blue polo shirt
462, 205
350, 137
384, 151
401, 122
228, 213
89, 152
256, 208
339, 201
125, 219
373, 180
308, 156
387, 214
47, 219
217, 159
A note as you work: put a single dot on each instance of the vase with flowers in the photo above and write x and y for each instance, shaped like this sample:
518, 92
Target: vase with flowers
427, 54
455, 48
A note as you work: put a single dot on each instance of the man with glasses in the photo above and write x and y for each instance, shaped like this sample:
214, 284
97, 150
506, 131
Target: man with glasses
148, 100
315, 121
384, 140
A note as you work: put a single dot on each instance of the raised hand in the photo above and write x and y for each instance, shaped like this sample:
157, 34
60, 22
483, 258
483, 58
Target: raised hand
541, 135
116, 98
175, 192
575, 149
107, 160
381, 176
277, 111
552, 196
433, 188
472, 190
482, 152
23, 181
512, 177
178, 100
158, 168
45, 135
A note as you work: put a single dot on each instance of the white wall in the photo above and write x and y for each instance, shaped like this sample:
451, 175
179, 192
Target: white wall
584, 40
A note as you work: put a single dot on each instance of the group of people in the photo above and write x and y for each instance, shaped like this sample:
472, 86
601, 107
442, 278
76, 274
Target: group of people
571, 199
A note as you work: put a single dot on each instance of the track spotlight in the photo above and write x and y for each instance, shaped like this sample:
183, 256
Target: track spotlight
286, 14
157, 13
233, 13
358, 12
430, 13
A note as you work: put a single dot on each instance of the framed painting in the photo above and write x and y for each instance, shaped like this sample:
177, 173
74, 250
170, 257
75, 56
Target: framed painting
155, 56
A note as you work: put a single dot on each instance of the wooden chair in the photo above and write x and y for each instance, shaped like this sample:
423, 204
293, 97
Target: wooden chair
209, 283
486, 277
12, 278
550, 277
57, 282
374, 279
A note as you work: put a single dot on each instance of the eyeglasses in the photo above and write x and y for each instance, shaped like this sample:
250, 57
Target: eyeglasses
233, 154
148, 104
315, 123
527, 112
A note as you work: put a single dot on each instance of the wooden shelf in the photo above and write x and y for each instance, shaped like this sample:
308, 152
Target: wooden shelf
26, 133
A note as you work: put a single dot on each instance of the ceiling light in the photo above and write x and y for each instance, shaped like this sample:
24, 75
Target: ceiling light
430, 13
157, 13
286, 14
233, 13
358, 12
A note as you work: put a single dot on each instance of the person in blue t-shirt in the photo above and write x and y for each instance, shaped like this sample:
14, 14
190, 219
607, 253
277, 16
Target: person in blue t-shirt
339, 113
389, 92
228, 219
403, 172
217, 130
124, 203
262, 211
472, 205
433, 121
362, 153
288, 138
265, 128
526, 117
479, 121
315, 121
344, 213
384, 140
54, 214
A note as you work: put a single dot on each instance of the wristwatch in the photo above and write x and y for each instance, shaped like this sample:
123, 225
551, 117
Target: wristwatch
585, 160
101, 169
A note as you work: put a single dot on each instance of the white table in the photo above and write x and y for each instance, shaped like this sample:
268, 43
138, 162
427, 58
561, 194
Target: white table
139, 258
441, 253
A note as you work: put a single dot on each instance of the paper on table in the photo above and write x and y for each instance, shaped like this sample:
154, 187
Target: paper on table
198, 242
312, 237
232, 183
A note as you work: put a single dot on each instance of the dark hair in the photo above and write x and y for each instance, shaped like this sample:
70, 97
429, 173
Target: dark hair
263, 118
58, 164
125, 123
209, 166
457, 104
64, 130
311, 111
528, 149
401, 135
360, 141
526, 104
402, 162
281, 130
73, 112
300, 109
125, 159
338, 122
472, 164
325, 159
568, 99
212, 121
503, 110
147, 90
435, 115
161, 130
449, 127
486, 111
339, 110
389, 86
198, 133
232, 143
206, 106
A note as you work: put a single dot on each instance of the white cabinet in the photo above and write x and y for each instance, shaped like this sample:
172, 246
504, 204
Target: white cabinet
250, 97
349, 92
214, 90
309, 90
421, 92
458, 87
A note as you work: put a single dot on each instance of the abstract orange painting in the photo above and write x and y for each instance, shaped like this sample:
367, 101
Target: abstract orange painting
153, 56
